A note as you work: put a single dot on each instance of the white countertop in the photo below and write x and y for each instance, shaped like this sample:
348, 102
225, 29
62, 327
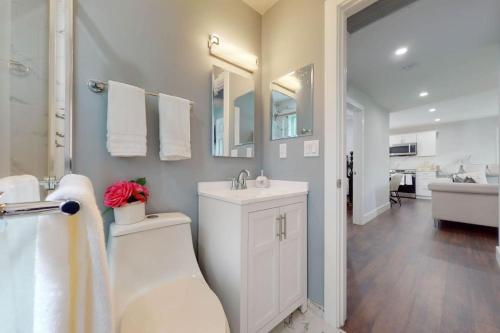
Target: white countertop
278, 189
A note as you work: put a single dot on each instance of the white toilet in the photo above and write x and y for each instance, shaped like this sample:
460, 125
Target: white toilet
157, 284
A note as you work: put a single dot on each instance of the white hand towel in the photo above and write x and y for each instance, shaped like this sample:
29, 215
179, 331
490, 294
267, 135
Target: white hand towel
175, 128
126, 120
23, 188
72, 284
407, 180
17, 248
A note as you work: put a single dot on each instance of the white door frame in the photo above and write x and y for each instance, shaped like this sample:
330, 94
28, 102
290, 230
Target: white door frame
359, 162
335, 289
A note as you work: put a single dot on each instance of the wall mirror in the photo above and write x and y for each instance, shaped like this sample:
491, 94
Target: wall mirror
36, 59
292, 104
233, 114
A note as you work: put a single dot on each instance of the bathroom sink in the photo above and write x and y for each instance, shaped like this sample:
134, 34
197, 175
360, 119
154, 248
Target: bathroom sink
278, 189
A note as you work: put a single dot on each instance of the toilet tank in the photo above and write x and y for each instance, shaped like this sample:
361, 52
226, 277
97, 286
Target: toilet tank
149, 253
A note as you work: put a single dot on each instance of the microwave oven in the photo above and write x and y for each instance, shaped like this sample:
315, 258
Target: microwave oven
404, 149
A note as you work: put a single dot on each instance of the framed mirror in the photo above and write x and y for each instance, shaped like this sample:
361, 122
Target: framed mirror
233, 114
292, 104
36, 87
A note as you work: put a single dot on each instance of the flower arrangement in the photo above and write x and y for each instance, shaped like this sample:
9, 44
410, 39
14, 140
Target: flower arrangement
125, 192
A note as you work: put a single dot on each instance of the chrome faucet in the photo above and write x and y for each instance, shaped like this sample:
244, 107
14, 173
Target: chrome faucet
240, 183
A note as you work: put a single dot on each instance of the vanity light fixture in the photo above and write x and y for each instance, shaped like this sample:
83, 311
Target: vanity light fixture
437, 120
401, 51
232, 54
432, 110
424, 94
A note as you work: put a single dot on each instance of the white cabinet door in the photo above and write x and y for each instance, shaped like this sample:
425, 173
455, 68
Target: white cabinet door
426, 143
263, 270
293, 278
423, 180
394, 140
409, 138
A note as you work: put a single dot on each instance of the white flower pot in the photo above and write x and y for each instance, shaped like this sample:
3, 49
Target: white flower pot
130, 213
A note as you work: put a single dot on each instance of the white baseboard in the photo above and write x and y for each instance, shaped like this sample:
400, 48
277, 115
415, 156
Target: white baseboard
498, 255
376, 212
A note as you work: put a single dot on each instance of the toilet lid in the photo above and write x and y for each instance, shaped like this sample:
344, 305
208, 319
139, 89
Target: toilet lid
184, 306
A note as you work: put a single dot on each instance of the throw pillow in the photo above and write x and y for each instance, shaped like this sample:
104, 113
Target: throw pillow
479, 177
469, 180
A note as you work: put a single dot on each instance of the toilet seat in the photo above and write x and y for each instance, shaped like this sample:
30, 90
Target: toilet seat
186, 305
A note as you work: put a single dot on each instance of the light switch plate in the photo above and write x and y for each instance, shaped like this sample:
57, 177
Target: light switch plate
283, 150
311, 148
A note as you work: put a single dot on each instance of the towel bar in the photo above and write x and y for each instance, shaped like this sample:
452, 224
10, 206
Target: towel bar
67, 207
99, 87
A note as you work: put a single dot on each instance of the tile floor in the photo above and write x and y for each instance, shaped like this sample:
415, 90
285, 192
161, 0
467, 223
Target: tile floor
310, 322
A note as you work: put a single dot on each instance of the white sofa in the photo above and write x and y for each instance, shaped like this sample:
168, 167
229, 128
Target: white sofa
465, 203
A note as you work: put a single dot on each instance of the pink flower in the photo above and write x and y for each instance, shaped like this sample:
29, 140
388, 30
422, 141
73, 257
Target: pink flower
117, 195
141, 193
123, 192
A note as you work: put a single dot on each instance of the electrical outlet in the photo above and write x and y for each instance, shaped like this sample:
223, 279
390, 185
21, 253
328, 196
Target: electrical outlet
283, 150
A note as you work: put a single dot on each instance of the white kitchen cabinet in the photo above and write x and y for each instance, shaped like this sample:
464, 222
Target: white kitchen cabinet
409, 138
402, 138
426, 143
394, 140
253, 253
423, 179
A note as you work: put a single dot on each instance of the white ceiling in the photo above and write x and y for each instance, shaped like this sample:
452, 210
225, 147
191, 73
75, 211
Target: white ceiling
481, 105
453, 52
260, 6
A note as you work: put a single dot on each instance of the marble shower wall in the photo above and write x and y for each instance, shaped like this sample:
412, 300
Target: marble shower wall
29, 89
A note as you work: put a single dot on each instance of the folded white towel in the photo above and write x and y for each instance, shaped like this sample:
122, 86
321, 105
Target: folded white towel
23, 188
72, 284
175, 131
126, 120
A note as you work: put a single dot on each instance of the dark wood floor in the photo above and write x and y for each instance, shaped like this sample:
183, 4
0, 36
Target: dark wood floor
406, 276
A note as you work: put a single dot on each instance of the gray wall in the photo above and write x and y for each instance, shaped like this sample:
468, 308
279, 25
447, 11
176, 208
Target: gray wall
292, 37
158, 45
376, 152
162, 45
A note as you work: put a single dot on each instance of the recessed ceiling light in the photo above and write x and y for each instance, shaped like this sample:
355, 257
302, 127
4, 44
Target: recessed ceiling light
401, 51
432, 110
424, 94
437, 120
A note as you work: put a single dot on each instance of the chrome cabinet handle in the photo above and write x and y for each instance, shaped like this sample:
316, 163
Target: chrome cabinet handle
284, 225
280, 228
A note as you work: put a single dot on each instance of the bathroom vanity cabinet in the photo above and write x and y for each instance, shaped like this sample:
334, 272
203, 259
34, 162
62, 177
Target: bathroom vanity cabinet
252, 248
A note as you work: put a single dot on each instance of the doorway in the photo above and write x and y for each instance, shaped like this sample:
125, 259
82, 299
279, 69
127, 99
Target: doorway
336, 108
354, 153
